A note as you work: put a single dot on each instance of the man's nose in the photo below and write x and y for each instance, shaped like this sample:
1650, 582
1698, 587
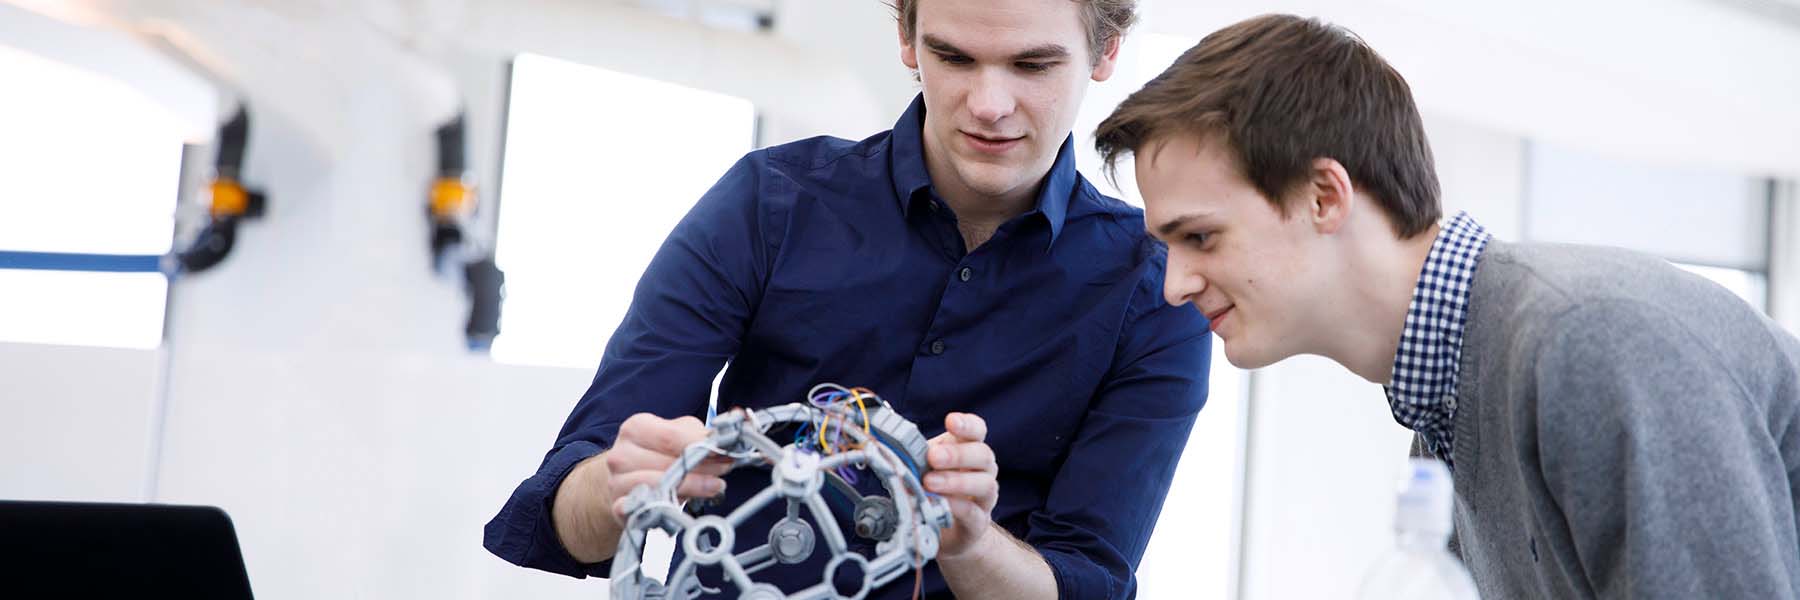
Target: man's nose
992, 99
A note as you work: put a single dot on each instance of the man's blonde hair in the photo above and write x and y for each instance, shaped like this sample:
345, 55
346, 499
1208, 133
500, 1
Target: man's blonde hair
1106, 20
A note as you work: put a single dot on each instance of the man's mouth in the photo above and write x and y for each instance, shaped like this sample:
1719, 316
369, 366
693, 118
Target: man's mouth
1212, 318
993, 144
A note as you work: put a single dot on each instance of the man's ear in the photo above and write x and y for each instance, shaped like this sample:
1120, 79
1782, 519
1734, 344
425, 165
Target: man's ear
1330, 194
909, 55
1109, 60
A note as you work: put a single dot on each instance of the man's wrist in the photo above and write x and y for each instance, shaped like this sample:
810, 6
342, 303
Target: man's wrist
994, 539
581, 512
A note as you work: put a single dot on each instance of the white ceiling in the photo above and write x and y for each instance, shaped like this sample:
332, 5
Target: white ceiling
1693, 82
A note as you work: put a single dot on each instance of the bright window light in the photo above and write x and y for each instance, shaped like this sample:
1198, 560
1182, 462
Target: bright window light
72, 308
599, 167
91, 166
1749, 285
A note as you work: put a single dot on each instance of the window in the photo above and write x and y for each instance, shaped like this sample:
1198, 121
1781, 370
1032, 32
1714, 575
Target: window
92, 170
1685, 214
1710, 223
1752, 286
599, 167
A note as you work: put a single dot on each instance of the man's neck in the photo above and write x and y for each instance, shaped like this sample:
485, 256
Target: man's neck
981, 209
1386, 292
978, 215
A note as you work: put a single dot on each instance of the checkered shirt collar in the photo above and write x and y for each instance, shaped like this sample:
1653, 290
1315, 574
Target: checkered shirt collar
1423, 391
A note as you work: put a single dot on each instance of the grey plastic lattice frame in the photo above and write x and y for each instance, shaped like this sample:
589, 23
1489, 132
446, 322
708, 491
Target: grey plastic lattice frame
796, 477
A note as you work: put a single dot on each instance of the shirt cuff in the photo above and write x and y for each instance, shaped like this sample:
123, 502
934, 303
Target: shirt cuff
525, 534
1077, 577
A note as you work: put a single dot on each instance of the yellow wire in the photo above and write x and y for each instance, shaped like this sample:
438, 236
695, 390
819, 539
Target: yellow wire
822, 443
857, 393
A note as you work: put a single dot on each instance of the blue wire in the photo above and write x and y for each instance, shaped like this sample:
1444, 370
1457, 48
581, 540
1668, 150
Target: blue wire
904, 458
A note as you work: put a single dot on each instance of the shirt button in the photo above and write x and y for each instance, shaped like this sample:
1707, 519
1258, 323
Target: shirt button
965, 274
937, 347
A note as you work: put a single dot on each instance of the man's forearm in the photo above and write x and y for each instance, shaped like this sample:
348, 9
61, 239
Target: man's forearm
1001, 567
585, 526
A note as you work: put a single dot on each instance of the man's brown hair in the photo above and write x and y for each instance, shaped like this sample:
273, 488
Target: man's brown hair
1105, 20
1281, 91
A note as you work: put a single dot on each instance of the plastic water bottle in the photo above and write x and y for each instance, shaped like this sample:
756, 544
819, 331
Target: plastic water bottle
1420, 566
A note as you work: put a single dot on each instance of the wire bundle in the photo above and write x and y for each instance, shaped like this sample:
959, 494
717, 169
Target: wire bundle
825, 435
834, 401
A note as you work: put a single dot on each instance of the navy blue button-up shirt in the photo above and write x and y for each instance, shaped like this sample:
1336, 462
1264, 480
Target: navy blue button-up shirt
831, 260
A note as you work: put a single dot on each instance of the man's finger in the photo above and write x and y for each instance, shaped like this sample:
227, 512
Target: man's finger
700, 486
662, 435
980, 486
621, 484
618, 510
967, 455
628, 457
672, 437
967, 512
968, 427
713, 465
695, 485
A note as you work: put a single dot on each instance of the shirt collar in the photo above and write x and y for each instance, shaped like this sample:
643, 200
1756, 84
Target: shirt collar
911, 175
908, 154
1422, 393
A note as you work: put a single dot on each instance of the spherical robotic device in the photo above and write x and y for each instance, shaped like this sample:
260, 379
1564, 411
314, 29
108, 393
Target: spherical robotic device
840, 432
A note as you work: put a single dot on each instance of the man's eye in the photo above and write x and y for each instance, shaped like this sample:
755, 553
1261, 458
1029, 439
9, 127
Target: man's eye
954, 59
1197, 238
1035, 67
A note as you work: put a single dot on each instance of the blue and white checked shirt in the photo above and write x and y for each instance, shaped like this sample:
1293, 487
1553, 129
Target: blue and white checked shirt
1423, 391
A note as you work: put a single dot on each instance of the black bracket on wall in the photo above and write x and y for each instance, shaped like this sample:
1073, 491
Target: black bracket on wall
231, 201
450, 207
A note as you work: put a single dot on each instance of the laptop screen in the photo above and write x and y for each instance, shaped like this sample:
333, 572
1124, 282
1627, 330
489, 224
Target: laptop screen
121, 550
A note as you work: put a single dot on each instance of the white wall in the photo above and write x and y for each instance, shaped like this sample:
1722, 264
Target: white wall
75, 421
364, 474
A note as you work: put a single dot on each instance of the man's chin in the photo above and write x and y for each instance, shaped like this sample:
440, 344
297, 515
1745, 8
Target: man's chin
1249, 358
990, 179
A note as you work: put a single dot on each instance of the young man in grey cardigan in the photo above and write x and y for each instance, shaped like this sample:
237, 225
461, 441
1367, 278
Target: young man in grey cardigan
1616, 428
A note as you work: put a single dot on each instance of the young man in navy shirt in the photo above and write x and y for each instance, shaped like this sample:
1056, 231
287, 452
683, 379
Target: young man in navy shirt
957, 265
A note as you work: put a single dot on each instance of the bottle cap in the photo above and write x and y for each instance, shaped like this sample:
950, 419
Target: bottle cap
1426, 497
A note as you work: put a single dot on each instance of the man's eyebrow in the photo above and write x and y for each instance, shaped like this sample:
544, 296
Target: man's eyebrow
1043, 52
1046, 51
1168, 229
939, 45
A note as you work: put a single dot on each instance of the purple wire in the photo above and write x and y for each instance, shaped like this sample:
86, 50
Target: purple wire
825, 400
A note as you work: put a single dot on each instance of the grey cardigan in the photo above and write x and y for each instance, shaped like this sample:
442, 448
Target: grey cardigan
1623, 430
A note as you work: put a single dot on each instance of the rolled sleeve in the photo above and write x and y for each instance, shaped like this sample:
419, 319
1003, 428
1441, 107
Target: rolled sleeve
523, 533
